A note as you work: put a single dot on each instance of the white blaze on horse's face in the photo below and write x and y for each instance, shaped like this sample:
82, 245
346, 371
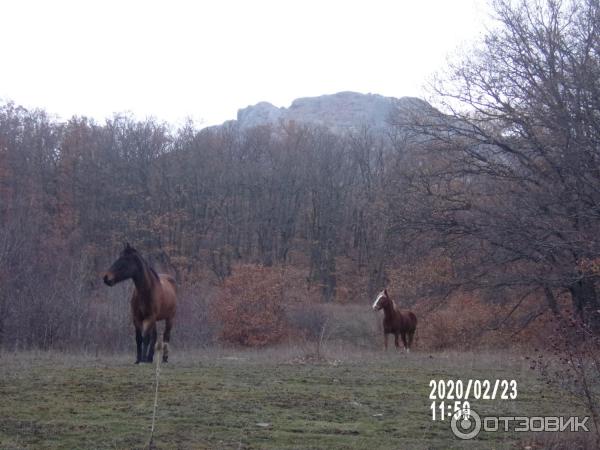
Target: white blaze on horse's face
379, 297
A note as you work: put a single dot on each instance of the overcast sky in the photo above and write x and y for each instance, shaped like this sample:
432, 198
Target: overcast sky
206, 59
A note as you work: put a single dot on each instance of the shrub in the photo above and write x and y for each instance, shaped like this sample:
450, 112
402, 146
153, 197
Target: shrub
249, 306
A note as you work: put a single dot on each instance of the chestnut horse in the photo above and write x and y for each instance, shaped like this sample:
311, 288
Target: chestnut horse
154, 299
400, 324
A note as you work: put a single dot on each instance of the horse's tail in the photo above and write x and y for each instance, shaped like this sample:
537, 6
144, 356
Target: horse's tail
413, 326
416, 335
413, 321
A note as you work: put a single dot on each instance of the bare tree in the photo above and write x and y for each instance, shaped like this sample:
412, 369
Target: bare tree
510, 174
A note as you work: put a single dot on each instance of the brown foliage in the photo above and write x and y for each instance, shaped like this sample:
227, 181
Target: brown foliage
249, 306
590, 266
572, 364
469, 321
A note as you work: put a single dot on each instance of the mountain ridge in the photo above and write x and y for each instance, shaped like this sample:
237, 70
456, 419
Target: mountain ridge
340, 111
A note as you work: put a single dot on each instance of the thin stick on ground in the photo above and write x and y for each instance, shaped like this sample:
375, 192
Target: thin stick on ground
159, 348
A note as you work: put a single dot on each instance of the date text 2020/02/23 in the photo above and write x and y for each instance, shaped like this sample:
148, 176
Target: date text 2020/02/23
452, 396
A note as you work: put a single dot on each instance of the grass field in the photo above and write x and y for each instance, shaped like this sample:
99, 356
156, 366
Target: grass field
255, 399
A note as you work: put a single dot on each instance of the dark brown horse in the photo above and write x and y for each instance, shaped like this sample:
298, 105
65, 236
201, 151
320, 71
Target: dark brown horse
400, 324
154, 299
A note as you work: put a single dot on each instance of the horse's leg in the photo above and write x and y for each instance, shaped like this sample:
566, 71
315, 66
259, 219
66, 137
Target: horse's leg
152, 343
403, 335
410, 335
148, 330
396, 342
138, 343
166, 339
385, 341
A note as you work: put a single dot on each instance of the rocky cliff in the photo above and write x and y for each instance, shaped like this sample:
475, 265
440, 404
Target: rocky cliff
341, 111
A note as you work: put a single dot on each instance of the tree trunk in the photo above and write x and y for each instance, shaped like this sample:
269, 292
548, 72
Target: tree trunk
551, 300
585, 302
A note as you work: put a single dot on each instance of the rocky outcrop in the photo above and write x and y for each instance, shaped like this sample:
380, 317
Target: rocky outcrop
341, 111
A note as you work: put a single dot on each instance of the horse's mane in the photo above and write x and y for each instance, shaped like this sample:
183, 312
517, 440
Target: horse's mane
393, 303
146, 267
153, 271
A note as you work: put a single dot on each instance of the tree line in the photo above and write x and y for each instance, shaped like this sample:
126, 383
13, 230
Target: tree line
497, 190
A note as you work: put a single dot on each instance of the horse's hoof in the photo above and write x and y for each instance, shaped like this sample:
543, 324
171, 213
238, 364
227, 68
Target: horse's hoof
165, 359
137, 361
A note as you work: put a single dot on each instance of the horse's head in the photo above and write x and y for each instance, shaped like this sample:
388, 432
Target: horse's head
124, 267
381, 300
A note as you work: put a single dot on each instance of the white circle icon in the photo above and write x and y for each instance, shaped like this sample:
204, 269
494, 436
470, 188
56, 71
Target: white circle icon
466, 426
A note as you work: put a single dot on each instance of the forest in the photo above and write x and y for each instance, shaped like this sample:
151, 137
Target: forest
481, 213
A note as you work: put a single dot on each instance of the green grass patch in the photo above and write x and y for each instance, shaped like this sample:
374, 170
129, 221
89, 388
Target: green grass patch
232, 399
